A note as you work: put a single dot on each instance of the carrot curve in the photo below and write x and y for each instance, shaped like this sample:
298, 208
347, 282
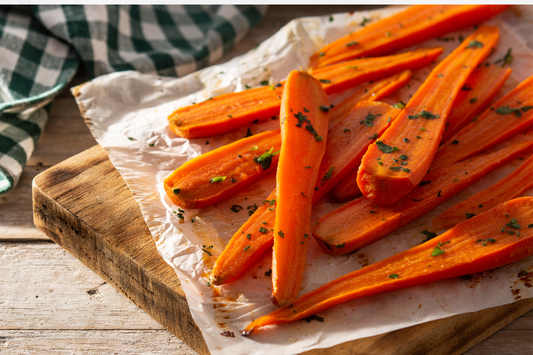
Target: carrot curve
472, 246
421, 124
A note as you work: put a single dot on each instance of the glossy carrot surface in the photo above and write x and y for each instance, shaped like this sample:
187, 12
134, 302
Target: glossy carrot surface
373, 91
228, 112
351, 137
220, 173
493, 239
411, 26
511, 114
416, 132
474, 97
304, 119
362, 222
513, 185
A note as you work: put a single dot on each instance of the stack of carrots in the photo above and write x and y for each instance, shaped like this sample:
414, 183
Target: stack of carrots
405, 161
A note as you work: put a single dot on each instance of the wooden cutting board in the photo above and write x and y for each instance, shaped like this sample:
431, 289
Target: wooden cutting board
84, 205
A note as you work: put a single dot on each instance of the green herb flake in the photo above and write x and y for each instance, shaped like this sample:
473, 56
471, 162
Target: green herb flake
368, 121
412, 117
422, 183
438, 251
330, 18
281, 234
328, 173
473, 100
438, 193
395, 168
403, 157
530, 225
321, 54
314, 317
470, 215
246, 248
429, 235
324, 108
151, 144
423, 129
264, 82
340, 246
208, 284
406, 170
406, 140
365, 20
352, 43
249, 236
474, 44
428, 115
236, 208
217, 179
131, 138
254, 148
380, 163
394, 276
399, 105
374, 136
176, 191
252, 209
325, 81
265, 159
513, 224
507, 58
346, 130
511, 232
263, 230
319, 138
385, 148
466, 87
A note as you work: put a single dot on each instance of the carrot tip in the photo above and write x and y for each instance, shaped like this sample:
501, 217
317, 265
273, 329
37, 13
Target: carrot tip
248, 330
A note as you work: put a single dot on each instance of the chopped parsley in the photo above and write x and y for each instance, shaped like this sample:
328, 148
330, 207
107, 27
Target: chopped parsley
395, 168
403, 157
176, 191
374, 136
246, 248
507, 58
281, 234
263, 230
455, 141
385, 148
325, 81
265, 160
252, 209
248, 133
314, 317
394, 276
328, 173
422, 183
438, 251
473, 100
474, 44
513, 224
340, 246
406, 140
368, 121
429, 235
324, 108
428, 115
470, 215
268, 273
352, 43
236, 208
264, 82
217, 179
399, 105
365, 20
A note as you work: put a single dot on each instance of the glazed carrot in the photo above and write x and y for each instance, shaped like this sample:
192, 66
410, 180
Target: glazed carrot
414, 25
493, 239
362, 222
474, 97
350, 141
219, 174
510, 115
227, 112
417, 130
304, 122
373, 91
513, 185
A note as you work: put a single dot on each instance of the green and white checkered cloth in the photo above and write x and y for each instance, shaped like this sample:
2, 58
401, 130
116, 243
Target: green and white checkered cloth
41, 47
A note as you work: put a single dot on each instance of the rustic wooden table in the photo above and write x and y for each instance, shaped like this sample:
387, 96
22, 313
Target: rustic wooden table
51, 303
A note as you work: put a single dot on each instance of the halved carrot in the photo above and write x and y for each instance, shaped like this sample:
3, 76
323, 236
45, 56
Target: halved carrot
340, 152
417, 130
304, 119
362, 222
511, 114
227, 112
373, 91
219, 174
493, 239
348, 141
513, 185
411, 26
474, 97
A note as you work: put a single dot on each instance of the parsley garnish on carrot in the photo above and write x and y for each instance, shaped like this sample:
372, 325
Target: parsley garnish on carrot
385, 148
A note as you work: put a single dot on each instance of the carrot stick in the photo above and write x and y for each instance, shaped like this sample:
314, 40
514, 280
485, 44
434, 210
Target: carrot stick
414, 25
219, 174
304, 122
341, 153
493, 239
510, 115
348, 141
474, 97
513, 185
227, 112
362, 222
374, 91
417, 130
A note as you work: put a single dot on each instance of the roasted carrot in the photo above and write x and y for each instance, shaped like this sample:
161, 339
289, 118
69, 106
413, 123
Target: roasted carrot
513, 185
219, 174
493, 239
511, 114
373, 91
227, 112
362, 222
414, 25
474, 97
348, 141
417, 130
356, 131
304, 122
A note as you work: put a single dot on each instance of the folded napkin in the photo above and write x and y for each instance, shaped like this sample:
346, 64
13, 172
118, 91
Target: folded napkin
41, 47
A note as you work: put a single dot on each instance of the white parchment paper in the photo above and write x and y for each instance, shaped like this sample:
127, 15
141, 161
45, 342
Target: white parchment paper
127, 113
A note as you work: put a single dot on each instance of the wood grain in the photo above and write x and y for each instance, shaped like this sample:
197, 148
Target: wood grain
16, 224
71, 199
